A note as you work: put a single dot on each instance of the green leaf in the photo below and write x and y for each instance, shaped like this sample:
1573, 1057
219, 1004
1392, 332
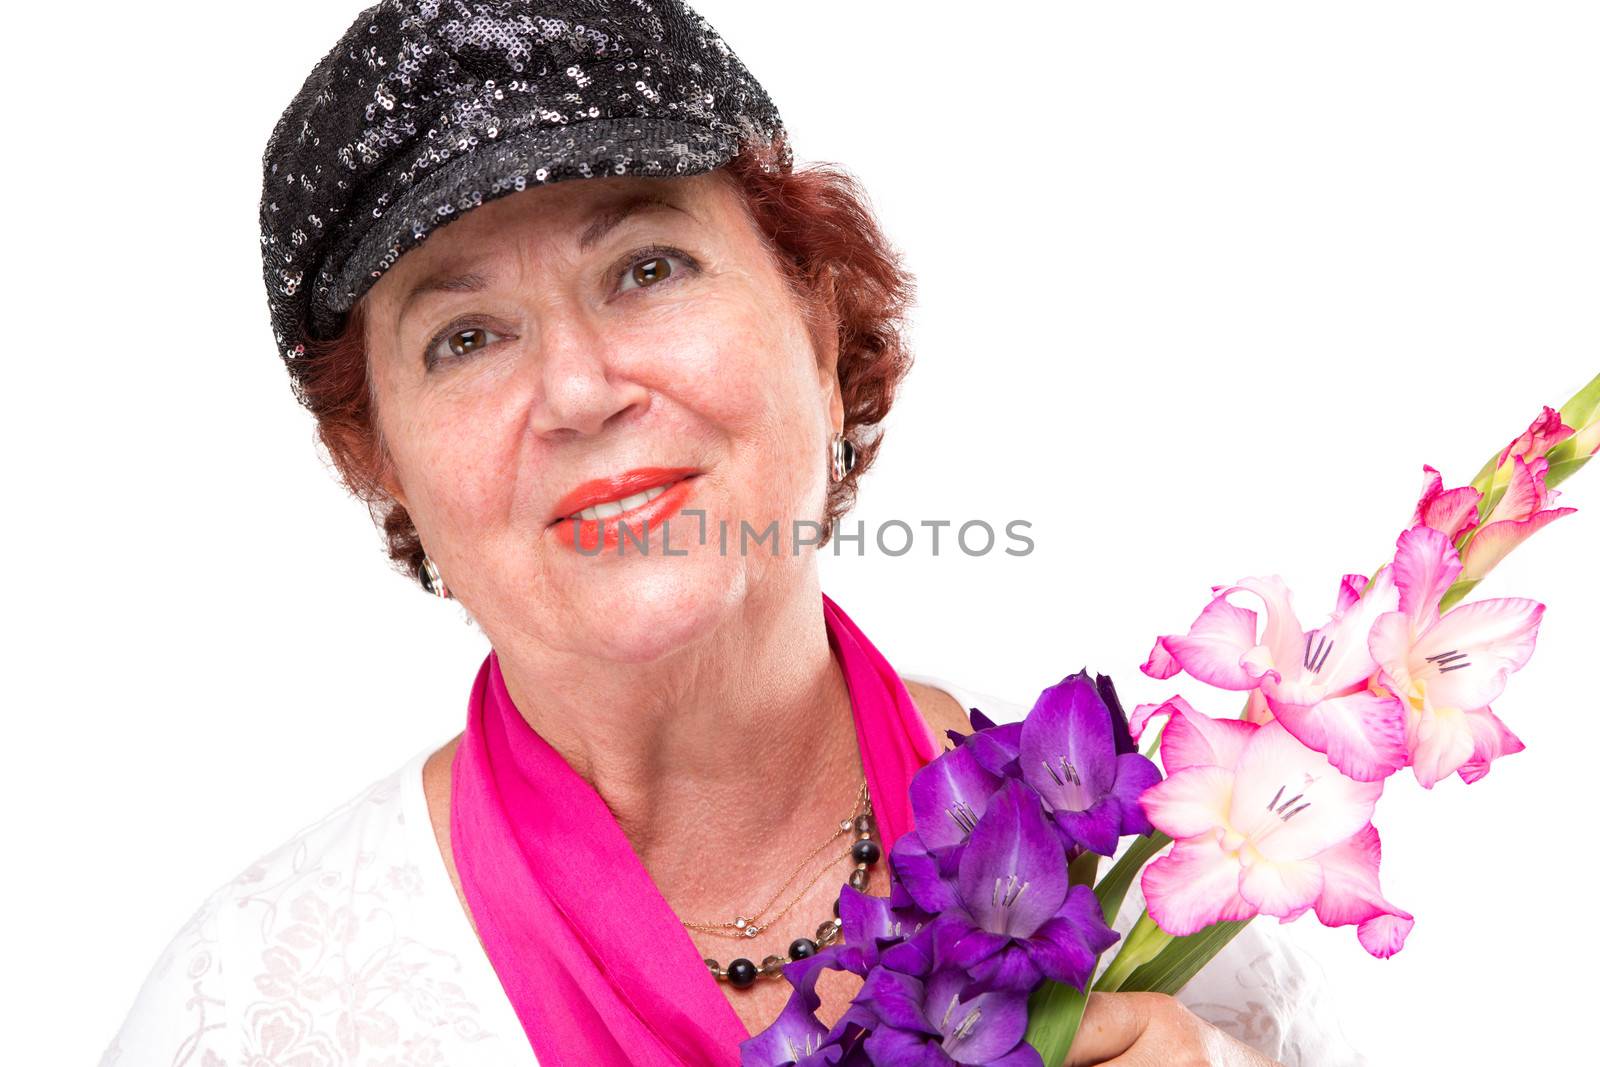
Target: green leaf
1181, 960
1453, 595
1581, 410
1564, 463
1143, 944
1113, 888
1054, 1013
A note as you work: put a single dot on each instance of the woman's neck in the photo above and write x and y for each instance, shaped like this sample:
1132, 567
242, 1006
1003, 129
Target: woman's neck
723, 763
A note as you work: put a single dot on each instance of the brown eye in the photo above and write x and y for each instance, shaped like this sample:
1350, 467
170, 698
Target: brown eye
652, 270
465, 342
459, 343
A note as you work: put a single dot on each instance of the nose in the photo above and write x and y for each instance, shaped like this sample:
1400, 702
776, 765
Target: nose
581, 386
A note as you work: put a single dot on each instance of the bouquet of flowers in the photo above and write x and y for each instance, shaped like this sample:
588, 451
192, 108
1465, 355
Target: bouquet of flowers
985, 950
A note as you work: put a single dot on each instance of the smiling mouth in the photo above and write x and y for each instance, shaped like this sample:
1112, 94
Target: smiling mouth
621, 506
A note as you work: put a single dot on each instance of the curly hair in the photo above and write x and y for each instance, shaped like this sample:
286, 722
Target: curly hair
844, 274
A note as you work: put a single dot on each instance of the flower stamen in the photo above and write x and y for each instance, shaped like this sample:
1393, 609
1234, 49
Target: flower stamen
1007, 897
1068, 773
963, 816
1314, 659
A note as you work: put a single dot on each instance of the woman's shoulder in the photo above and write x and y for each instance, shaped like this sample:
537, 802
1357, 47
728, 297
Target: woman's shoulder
947, 704
337, 944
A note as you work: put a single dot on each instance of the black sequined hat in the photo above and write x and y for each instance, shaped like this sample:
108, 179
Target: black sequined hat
427, 108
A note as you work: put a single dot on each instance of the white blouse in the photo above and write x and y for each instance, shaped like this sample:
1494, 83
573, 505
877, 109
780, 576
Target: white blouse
346, 945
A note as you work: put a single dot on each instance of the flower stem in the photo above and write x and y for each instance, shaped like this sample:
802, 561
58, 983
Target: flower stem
1084, 869
1054, 1013
1143, 943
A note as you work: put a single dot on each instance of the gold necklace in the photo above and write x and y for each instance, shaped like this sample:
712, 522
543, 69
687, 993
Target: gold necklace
751, 925
742, 973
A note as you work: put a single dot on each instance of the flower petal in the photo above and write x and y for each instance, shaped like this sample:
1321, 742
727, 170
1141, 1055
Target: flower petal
795, 1030
995, 748
1119, 718
1000, 1020
1545, 432
1195, 740
1282, 636
1013, 874
1285, 889
917, 871
1494, 542
1067, 751
1216, 643
1451, 512
1135, 774
948, 795
1193, 886
1350, 587
1425, 566
1495, 637
1523, 495
1441, 744
1191, 802
1363, 734
1290, 802
1350, 894
896, 999
1491, 740
1096, 830
1160, 664
1067, 947
1334, 658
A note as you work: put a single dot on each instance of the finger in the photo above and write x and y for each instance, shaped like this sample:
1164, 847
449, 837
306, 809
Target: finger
1112, 1024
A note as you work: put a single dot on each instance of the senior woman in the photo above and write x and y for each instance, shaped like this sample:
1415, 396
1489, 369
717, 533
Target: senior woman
676, 752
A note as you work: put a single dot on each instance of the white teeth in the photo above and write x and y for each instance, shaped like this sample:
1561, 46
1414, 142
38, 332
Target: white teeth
612, 508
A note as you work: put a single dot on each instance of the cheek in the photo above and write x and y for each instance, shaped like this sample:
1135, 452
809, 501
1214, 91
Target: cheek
751, 381
456, 464
750, 375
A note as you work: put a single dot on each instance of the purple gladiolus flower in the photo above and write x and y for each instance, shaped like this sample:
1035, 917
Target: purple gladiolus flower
868, 924
1016, 916
929, 1014
949, 796
797, 1037
1075, 751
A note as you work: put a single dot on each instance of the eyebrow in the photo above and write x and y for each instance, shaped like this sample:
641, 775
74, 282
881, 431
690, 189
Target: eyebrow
451, 280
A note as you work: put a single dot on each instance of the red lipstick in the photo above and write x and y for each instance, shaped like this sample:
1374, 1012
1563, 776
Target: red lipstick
644, 520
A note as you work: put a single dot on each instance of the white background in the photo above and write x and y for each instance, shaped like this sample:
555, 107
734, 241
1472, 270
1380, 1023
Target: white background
1202, 288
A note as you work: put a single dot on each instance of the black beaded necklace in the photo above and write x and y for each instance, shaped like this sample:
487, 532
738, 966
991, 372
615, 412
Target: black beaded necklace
864, 851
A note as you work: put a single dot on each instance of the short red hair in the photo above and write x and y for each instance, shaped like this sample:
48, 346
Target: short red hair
843, 272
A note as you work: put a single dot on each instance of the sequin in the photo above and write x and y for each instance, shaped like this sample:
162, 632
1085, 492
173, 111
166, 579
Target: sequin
426, 109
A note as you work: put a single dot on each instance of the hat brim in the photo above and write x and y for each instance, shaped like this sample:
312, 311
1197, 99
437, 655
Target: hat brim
489, 169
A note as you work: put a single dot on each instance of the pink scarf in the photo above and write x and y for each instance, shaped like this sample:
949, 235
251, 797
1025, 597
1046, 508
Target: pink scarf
597, 966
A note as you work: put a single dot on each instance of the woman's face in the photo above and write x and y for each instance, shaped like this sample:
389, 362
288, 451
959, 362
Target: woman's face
579, 332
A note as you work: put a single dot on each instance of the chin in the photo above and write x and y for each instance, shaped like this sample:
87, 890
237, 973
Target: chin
645, 609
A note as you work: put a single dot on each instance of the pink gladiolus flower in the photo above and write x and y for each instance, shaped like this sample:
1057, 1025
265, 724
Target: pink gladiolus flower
1315, 684
1522, 511
1452, 512
1449, 668
1545, 433
1263, 825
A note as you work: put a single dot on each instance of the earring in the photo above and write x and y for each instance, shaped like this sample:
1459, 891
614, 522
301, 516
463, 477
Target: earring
428, 577
844, 457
